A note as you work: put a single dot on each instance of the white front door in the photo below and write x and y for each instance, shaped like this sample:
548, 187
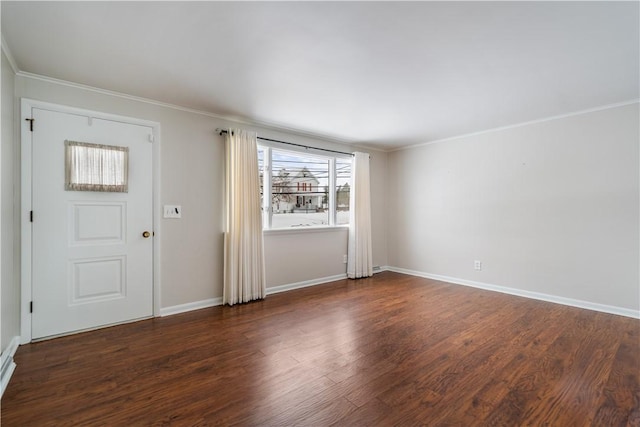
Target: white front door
91, 264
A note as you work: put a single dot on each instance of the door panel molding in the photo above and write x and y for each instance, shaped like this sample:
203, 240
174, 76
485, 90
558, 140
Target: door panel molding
104, 290
80, 236
26, 177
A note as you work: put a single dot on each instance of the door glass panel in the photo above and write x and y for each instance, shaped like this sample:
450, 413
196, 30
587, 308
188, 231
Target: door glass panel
96, 167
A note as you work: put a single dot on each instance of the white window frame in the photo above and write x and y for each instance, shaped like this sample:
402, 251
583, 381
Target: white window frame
267, 211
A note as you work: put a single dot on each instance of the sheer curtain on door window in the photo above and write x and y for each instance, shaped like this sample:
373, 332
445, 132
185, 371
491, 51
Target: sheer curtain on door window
96, 167
359, 258
244, 273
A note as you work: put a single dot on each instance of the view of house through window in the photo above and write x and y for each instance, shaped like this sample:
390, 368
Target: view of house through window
297, 189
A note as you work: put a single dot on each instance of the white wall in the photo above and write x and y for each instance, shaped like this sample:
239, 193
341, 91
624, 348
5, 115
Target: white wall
192, 169
551, 207
322, 257
10, 317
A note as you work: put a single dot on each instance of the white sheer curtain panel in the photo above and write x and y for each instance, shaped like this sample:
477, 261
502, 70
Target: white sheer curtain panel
359, 258
244, 275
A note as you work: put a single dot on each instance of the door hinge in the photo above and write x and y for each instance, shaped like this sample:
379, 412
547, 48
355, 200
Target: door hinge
30, 124
30, 216
31, 307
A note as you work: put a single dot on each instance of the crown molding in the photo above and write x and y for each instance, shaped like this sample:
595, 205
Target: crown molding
368, 148
9, 55
517, 125
292, 131
255, 123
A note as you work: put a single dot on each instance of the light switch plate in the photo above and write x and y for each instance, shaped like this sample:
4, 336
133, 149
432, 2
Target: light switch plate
172, 211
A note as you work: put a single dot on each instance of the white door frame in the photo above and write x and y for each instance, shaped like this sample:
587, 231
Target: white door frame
26, 203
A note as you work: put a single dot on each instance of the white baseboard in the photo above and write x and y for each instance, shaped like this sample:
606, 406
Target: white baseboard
7, 365
212, 302
304, 284
620, 311
190, 306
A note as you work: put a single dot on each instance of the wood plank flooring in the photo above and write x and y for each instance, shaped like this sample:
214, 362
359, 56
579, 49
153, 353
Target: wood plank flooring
384, 351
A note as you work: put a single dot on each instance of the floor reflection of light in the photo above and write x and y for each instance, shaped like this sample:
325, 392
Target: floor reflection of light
294, 365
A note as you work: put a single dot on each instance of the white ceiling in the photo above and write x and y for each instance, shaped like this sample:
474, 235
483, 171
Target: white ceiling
382, 74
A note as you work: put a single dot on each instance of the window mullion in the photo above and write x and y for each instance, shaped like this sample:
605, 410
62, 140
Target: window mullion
332, 192
267, 189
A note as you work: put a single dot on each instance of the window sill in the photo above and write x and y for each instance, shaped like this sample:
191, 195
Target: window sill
304, 230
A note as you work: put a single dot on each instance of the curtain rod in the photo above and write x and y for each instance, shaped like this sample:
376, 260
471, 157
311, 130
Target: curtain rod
221, 131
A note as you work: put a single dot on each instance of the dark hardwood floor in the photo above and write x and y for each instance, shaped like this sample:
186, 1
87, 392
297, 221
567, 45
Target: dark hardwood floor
389, 350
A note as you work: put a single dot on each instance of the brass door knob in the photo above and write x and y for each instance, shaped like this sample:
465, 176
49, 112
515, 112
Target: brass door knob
146, 234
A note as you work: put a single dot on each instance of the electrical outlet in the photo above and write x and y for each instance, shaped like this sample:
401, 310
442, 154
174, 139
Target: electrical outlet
477, 265
172, 211
344, 259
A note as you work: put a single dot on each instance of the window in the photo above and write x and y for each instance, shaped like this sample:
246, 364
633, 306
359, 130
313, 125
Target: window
303, 190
